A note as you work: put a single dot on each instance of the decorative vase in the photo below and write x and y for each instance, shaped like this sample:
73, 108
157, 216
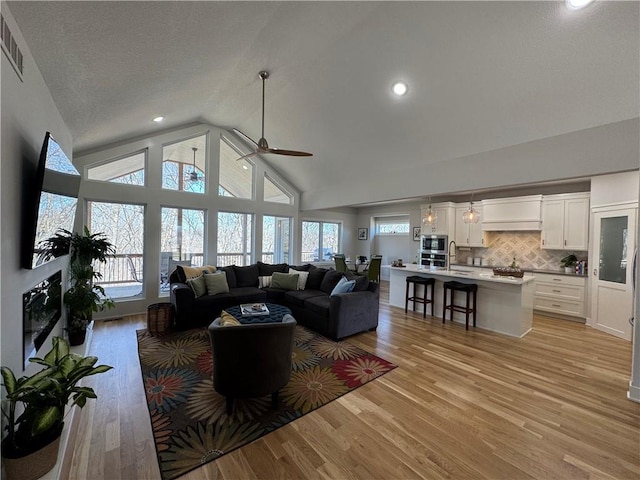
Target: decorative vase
76, 337
34, 465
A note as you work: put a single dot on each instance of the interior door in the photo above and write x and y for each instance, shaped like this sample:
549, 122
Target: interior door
612, 284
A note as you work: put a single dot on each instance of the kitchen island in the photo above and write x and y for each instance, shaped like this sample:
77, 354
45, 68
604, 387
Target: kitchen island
505, 304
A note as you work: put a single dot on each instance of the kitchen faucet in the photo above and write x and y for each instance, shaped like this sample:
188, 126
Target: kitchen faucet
451, 254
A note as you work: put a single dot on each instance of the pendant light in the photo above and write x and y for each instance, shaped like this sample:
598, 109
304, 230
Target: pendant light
471, 215
193, 176
430, 217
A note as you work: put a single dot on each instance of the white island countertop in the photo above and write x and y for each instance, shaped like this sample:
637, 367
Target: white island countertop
505, 304
466, 274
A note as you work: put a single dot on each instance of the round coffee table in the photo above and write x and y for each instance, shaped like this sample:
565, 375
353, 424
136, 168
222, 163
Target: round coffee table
276, 312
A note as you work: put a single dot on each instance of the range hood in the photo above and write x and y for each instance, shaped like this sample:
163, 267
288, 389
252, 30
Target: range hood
512, 214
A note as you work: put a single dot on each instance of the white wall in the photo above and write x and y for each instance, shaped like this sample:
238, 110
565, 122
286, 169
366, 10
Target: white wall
28, 111
614, 189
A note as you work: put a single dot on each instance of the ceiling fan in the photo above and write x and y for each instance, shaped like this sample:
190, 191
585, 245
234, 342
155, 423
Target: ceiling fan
261, 145
193, 175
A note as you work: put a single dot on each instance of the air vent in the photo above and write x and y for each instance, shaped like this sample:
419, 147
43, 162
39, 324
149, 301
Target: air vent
10, 47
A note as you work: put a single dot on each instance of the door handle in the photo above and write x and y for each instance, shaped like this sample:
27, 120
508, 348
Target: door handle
595, 272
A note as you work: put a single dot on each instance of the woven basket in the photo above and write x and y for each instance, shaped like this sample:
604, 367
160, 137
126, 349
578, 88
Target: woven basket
508, 272
159, 318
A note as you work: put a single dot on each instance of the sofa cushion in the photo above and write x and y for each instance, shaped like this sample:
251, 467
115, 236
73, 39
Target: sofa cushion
198, 285
184, 273
330, 280
316, 275
248, 295
267, 269
246, 276
216, 283
362, 281
302, 277
285, 281
302, 268
275, 295
319, 305
231, 275
343, 286
298, 297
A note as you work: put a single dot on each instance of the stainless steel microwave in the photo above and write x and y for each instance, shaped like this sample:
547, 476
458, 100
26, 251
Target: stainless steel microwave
434, 243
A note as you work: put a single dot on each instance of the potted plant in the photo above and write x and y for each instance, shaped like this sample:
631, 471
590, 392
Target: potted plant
83, 298
30, 448
569, 263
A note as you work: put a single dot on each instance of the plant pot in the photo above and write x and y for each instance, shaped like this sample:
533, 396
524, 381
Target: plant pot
76, 337
34, 465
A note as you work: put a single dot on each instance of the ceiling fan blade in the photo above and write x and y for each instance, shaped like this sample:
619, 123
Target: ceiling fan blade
245, 136
248, 155
291, 153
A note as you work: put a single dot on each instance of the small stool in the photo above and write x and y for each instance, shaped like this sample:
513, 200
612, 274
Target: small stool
469, 288
418, 280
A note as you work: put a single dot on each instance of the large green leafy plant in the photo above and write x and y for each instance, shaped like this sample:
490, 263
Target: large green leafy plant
83, 298
44, 396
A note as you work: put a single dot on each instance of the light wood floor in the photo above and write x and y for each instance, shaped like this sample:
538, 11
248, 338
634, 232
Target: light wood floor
460, 405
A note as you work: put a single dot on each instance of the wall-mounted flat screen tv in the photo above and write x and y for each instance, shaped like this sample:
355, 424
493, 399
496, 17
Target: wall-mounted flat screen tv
50, 201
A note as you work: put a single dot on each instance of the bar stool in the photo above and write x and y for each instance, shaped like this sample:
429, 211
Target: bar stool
418, 280
469, 288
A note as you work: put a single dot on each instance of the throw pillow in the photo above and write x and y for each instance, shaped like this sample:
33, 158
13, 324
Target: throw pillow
246, 276
216, 283
226, 319
303, 268
302, 277
193, 272
285, 281
264, 281
362, 282
343, 286
330, 280
231, 275
198, 285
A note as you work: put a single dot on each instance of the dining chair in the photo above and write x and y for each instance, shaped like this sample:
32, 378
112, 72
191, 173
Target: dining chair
341, 263
373, 271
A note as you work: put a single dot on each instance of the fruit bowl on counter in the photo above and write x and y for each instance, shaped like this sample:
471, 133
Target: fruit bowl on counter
508, 272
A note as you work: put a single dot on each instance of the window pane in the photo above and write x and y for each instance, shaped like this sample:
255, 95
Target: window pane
181, 238
320, 241
236, 177
398, 225
275, 193
613, 249
184, 165
330, 238
128, 170
123, 225
234, 238
276, 235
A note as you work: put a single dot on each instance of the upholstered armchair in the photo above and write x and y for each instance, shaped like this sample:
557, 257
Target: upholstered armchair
251, 360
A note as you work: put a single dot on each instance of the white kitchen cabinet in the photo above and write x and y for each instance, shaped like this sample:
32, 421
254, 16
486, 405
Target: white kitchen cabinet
565, 222
444, 224
562, 295
468, 234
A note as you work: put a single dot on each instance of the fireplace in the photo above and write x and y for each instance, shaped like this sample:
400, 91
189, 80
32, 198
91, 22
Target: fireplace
41, 310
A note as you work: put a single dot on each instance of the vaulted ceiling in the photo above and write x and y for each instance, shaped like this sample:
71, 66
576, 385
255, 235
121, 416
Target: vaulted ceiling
482, 76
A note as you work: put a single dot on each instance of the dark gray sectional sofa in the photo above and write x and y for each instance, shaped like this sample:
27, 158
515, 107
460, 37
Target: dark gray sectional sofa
336, 316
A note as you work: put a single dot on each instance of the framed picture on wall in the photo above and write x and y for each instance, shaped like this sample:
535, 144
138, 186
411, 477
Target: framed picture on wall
416, 234
363, 233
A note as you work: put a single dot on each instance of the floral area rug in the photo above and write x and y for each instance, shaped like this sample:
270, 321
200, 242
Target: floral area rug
188, 417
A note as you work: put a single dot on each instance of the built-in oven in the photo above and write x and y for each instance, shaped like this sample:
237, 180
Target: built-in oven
433, 260
434, 243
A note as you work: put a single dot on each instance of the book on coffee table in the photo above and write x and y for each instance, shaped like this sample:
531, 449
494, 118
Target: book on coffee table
250, 309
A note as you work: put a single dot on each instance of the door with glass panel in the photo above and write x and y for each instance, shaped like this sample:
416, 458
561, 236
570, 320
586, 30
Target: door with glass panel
612, 285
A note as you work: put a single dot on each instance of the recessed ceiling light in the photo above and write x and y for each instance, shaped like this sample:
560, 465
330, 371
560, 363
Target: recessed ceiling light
158, 119
578, 4
399, 88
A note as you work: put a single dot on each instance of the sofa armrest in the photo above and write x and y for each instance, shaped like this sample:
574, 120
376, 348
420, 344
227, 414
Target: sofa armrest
182, 299
353, 312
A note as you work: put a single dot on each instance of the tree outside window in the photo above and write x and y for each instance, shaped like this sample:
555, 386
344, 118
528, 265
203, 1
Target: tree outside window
320, 240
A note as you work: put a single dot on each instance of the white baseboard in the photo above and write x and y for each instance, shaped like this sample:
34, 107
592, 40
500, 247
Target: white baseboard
633, 393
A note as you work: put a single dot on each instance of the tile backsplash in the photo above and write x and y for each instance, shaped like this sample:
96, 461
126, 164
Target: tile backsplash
502, 247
